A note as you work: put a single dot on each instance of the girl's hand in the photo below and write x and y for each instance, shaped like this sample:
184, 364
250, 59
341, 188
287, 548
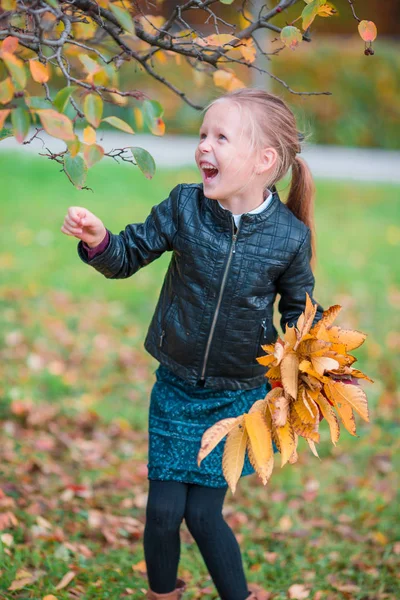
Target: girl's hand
84, 225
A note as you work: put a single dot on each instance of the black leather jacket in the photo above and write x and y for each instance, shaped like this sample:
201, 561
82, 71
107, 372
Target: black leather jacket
216, 303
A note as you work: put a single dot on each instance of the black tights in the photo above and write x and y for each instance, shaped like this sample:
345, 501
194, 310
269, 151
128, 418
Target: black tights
170, 502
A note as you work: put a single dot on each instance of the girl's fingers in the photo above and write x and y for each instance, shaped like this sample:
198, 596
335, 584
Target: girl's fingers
72, 223
71, 230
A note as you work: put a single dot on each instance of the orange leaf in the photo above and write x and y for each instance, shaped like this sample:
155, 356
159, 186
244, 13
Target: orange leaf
10, 44
367, 30
56, 124
65, 580
40, 73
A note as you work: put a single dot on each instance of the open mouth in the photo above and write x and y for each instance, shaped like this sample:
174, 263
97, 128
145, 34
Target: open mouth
209, 173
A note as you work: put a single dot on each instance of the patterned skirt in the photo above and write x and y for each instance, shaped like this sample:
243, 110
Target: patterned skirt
178, 416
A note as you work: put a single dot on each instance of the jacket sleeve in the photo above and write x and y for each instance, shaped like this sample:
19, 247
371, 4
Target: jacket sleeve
293, 284
139, 243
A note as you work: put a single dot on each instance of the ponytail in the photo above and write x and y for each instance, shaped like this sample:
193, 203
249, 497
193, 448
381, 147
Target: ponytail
301, 199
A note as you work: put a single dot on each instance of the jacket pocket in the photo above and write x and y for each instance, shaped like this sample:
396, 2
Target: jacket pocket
165, 320
263, 337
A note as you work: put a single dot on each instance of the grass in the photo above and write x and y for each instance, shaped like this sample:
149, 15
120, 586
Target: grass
75, 383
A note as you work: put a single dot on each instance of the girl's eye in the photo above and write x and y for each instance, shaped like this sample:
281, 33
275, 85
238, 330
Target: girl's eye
202, 136
222, 136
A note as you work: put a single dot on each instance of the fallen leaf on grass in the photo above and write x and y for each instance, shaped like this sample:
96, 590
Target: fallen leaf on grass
298, 591
65, 580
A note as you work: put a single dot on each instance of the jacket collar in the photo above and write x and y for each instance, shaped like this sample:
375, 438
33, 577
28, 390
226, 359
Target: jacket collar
226, 215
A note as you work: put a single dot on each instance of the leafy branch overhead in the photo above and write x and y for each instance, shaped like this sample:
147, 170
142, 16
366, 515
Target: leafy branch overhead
314, 367
81, 54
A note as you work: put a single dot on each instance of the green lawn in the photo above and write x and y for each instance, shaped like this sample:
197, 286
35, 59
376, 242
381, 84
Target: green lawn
74, 390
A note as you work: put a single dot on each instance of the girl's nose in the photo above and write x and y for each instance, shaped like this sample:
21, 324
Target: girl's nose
204, 146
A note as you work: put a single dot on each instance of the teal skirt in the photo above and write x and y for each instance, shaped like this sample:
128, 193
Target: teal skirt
178, 416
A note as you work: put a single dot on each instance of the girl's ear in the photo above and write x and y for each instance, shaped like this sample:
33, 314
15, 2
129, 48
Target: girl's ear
267, 160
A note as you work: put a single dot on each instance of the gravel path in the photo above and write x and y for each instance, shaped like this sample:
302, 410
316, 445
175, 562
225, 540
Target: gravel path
334, 162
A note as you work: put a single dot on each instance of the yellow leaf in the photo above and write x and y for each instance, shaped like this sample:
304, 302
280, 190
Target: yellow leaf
328, 316
233, 457
306, 430
40, 73
330, 417
290, 335
214, 434
311, 346
279, 351
152, 23
278, 406
343, 407
227, 81
260, 444
89, 135
306, 319
216, 39
312, 446
323, 363
248, 50
326, 10
290, 373
360, 375
305, 407
259, 406
306, 367
274, 373
266, 360
348, 394
350, 338
286, 440
268, 348
6, 91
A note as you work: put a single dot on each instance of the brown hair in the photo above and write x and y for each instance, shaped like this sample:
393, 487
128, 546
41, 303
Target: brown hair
273, 124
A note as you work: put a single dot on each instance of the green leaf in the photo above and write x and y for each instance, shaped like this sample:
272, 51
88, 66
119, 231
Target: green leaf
310, 12
75, 169
93, 109
62, 97
123, 18
5, 133
119, 124
144, 161
20, 120
52, 3
16, 68
37, 102
153, 111
291, 36
93, 153
56, 125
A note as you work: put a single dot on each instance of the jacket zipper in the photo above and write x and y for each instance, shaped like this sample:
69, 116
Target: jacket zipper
231, 252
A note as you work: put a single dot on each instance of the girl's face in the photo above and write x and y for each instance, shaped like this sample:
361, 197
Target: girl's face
224, 147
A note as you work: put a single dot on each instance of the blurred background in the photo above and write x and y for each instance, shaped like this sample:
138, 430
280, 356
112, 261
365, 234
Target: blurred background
72, 341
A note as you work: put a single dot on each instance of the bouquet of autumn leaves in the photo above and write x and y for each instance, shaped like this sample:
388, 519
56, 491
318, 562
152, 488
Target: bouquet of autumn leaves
309, 369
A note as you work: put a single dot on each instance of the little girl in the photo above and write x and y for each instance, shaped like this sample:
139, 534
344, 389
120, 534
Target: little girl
235, 245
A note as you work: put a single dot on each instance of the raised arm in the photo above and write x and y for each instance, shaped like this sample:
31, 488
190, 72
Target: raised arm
293, 284
139, 243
